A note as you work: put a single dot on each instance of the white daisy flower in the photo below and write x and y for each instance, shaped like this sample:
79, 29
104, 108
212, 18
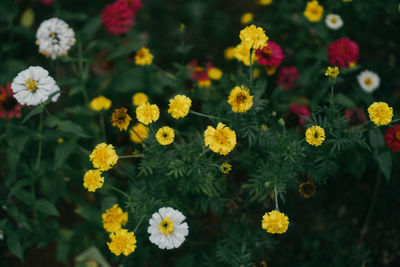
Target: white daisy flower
166, 228
333, 21
54, 38
34, 86
368, 80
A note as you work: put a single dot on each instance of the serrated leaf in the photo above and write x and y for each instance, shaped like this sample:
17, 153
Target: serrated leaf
46, 207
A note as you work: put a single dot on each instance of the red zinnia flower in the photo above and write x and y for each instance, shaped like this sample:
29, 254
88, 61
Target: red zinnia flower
134, 5
392, 138
199, 73
270, 55
301, 111
9, 107
46, 2
287, 76
343, 52
355, 116
118, 17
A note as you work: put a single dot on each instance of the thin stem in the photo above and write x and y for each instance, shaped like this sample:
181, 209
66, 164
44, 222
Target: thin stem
131, 156
251, 68
141, 139
138, 224
164, 71
205, 115
119, 191
39, 155
276, 200
80, 66
103, 128
332, 92
396, 120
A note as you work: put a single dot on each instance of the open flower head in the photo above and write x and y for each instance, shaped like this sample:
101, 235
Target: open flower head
139, 99
122, 242
147, 113
121, 119
179, 106
167, 229
253, 37
313, 11
246, 18
392, 138
242, 53
143, 57
332, 72
114, 218
100, 103
221, 140
240, 99
225, 167
103, 157
275, 222
138, 133
93, 180
369, 81
380, 113
333, 21
214, 73
165, 135
315, 135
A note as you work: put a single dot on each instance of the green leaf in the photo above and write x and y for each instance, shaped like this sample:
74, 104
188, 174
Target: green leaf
375, 138
46, 207
385, 164
14, 244
344, 100
92, 253
125, 50
63, 151
71, 127
38, 109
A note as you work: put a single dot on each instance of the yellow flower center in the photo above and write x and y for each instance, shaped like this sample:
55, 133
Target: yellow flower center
398, 135
166, 226
368, 81
31, 85
333, 20
221, 137
241, 98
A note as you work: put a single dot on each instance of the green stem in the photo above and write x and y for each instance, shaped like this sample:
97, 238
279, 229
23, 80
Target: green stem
141, 139
131, 156
396, 120
138, 224
276, 200
205, 115
103, 127
332, 92
251, 69
119, 191
39, 154
82, 78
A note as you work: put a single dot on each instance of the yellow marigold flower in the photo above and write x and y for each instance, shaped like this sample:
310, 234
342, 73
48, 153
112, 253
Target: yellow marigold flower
214, 73
93, 180
138, 133
60, 140
246, 18
228, 53
275, 222
103, 157
253, 37
313, 11
242, 54
121, 119
114, 218
147, 113
315, 135
100, 103
240, 99
204, 83
221, 140
225, 167
352, 64
380, 113
307, 189
264, 127
122, 242
143, 57
165, 135
139, 99
270, 70
179, 106
263, 2
332, 72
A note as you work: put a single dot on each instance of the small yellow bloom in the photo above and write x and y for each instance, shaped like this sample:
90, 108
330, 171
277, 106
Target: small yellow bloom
138, 133
264, 127
270, 70
352, 64
380, 113
240, 99
27, 18
315, 135
204, 83
139, 99
214, 73
60, 140
122, 242
93, 180
275, 222
242, 54
263, 2
114, 218
143, 57
246, 18
332, 72
147, 113
253, 37
225, 167
166, 226
221, 140
100, 103
229, 52
121, 119
313, 11
179, 106
103, 157
165, 135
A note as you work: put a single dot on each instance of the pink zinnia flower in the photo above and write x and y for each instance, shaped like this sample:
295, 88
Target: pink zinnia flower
9, 107
355, 116
118, 18
287, 76
343, 52
46, 2
270, 55
301, 111
134, 5
392, 138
